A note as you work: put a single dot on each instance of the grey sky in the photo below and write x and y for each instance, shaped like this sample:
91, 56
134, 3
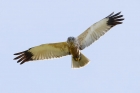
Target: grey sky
114, 59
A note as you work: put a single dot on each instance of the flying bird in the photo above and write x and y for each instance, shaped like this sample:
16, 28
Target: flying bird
73, 45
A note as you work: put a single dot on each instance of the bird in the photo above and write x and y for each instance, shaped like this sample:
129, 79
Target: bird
73, 45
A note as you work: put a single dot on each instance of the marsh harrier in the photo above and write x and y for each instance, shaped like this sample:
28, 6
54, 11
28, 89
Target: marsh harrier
73, 45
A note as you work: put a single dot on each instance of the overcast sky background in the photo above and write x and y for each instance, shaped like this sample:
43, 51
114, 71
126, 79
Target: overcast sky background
114, 59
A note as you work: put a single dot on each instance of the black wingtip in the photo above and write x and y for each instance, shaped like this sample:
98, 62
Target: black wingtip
18, 53
115, 19
110, 14
23, 57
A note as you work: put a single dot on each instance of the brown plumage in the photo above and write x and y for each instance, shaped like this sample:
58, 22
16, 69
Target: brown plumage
73, 45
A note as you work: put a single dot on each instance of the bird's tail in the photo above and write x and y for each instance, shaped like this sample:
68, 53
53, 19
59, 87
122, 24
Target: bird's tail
82, 62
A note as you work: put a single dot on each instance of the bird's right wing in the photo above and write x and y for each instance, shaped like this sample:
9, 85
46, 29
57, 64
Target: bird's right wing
98, 29
44, 51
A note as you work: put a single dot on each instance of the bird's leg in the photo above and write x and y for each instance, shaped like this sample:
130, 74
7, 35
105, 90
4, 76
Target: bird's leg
77, 58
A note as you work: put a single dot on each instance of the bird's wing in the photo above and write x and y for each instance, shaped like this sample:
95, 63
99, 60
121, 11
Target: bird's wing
44, 51
98, 29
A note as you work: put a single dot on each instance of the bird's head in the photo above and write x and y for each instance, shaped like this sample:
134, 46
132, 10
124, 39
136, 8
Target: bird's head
71, 40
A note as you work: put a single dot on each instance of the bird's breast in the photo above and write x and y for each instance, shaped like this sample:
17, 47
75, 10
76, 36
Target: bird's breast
75, 52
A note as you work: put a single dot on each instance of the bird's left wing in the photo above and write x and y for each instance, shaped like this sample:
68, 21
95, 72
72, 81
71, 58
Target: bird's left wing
98, 29
44, 51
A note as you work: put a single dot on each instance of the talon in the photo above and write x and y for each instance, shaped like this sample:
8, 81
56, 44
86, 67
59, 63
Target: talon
77, 59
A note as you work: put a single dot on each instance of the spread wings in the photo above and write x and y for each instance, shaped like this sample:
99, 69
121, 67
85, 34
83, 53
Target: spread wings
44, 51
98, 29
